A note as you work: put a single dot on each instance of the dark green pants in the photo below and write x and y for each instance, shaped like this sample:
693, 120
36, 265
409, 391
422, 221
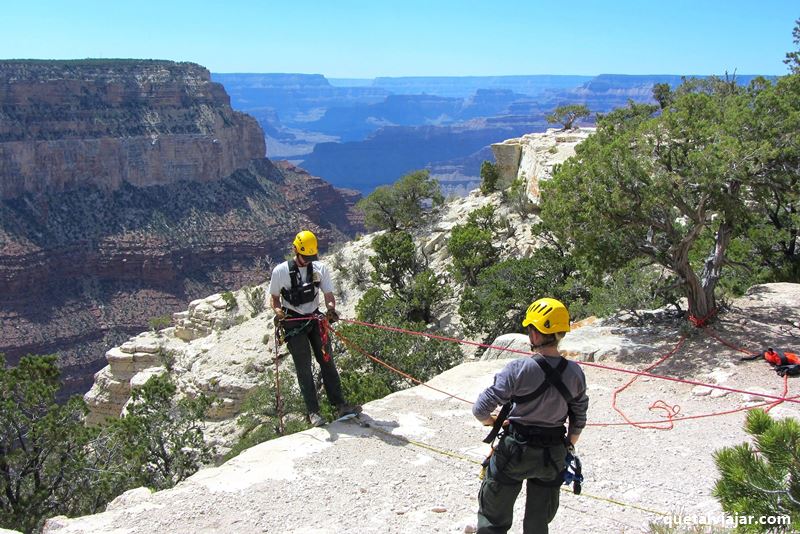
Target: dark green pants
300, 346
512, 463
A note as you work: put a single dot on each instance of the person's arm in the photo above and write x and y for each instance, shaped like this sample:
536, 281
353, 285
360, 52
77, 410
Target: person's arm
577, 413
330, 301
275, 288
495, 395
276, 304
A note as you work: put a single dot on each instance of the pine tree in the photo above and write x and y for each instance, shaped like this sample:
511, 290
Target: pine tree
762, 478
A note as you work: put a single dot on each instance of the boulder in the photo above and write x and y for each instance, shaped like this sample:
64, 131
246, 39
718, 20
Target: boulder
505, 347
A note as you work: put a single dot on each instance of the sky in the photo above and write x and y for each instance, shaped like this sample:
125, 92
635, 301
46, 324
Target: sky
366, 39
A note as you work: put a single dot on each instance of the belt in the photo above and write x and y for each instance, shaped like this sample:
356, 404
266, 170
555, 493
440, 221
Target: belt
541, 436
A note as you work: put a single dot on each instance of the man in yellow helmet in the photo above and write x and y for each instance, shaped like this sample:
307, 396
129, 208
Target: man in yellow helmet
541, 392
295, 287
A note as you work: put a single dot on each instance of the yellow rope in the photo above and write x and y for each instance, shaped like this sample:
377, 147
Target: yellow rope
445, 452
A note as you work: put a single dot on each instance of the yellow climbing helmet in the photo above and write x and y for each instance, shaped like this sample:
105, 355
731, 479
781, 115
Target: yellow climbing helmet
305, 243
549, 316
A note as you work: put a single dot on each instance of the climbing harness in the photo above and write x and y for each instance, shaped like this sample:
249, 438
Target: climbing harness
301, 291
552, 377
303, 323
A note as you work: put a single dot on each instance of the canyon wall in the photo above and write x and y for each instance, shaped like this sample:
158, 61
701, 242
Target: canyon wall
128, 189
100, 123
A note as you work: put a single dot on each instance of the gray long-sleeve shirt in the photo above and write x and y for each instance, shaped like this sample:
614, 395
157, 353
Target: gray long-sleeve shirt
523, 376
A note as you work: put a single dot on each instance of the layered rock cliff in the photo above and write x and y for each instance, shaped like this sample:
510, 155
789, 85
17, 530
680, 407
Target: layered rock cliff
127, 189
100, 123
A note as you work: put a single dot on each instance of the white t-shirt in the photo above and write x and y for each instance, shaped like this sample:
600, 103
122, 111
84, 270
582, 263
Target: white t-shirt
281, 280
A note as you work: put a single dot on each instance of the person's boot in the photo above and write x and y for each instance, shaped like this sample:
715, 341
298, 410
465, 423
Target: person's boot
316, 419
348, 409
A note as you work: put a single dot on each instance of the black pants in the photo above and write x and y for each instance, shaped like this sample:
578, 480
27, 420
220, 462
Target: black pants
300, 346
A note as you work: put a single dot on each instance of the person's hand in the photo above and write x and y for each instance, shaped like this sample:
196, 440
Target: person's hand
332, 316
280, 315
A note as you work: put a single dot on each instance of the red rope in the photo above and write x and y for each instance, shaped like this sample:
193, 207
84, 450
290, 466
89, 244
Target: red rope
278, 401
674, 410
670, 411
703, 416
702, 322
398, 371
585, 364
714, 335
324, 328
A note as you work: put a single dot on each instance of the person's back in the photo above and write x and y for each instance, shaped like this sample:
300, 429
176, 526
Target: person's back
539, 395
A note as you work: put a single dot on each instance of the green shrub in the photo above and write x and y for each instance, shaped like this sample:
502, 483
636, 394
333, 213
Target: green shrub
230, 300
504, 290
472, 251
762, 478
256, 299
517, 197
163, 436
167, 358
159, 323
636, 286
489, 177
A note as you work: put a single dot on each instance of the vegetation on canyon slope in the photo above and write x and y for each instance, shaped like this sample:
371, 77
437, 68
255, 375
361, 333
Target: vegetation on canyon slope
52, 464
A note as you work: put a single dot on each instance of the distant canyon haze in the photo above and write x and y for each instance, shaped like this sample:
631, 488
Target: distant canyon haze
362, 133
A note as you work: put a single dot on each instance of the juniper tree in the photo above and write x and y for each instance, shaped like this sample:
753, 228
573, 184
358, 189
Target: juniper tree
567, 115
680, 186
470, 245
489, 177
164, 435
403, 205
50, 462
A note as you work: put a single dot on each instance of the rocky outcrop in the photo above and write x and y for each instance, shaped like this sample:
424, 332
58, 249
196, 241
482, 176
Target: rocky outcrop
218, 347
130, 188
531, 157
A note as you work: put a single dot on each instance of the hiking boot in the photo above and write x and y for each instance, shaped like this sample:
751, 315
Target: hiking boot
316, 419
348, 409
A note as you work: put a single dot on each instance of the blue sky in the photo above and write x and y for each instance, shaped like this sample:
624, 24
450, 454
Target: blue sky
364, 39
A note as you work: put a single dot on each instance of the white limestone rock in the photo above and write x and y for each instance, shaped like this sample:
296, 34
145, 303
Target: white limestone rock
130, 498
701, 391
514, 342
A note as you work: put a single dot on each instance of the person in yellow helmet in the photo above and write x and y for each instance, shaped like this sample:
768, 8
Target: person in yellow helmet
539, 394
295, 286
